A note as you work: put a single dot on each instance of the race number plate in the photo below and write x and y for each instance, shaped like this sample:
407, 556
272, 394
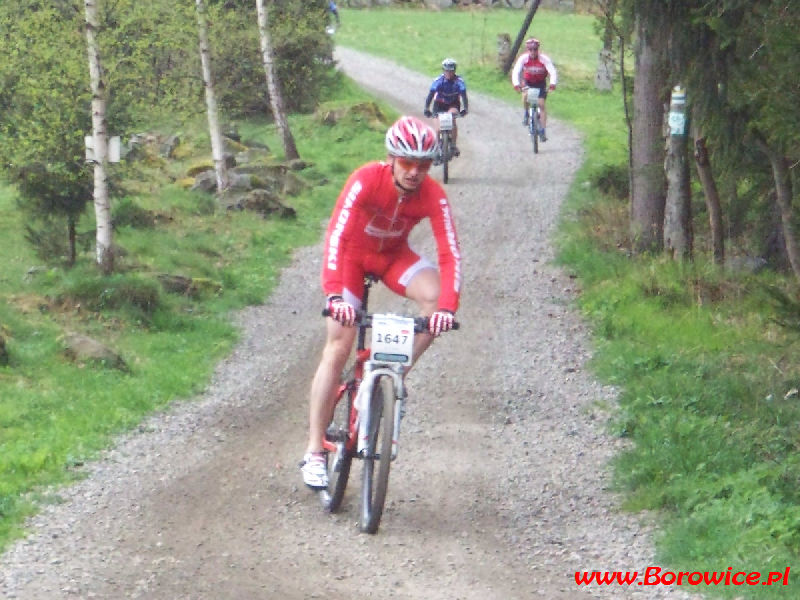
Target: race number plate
445, 121
392, 339
533, 95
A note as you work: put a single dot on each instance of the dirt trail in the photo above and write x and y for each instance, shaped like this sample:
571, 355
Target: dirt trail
499, 492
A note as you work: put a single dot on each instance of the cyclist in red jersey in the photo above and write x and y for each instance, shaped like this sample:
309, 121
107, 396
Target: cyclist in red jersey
380, 204
532, 70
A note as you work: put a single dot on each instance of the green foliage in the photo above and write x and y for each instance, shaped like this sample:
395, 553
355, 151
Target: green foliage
44, 101
785, 306
611, 180
301, 51
97, 293
128, 213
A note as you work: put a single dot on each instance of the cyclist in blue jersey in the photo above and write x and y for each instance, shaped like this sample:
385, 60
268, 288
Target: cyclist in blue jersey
334, 11
449, 94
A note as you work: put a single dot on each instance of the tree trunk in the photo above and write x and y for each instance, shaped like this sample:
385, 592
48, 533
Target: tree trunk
647, 153
273, 85
783, 198
71, 236
678, 234
713, 204
604, 77
102, 205
520, 36
217, 147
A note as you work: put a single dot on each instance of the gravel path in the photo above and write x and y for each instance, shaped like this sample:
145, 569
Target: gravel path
500, 491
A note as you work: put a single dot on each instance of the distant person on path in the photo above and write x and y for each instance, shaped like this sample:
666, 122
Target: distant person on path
335, 11
532, 70
449, 94
380, 204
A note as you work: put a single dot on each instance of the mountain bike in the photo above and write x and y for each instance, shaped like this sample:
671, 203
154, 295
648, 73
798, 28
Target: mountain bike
534, 123
369, 407
446, 125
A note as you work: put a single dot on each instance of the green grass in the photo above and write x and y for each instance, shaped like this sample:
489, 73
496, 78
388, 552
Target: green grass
708, 382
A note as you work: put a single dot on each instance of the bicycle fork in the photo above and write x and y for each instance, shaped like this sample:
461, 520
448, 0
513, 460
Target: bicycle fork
362, 402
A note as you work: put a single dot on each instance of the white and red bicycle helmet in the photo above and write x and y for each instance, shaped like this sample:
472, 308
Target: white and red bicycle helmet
410, 137
531, 43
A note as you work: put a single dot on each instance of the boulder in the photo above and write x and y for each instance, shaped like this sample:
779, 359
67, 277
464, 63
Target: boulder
83, 349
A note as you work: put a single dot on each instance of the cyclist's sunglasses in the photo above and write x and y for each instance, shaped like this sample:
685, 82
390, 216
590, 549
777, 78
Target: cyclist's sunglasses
409, 163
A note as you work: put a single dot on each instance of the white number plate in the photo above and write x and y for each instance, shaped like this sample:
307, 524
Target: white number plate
392, 339
445, 121
533, 95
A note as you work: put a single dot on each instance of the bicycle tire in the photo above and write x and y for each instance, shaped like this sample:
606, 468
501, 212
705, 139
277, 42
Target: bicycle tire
534, 129
375, 482
445, 156
339, 462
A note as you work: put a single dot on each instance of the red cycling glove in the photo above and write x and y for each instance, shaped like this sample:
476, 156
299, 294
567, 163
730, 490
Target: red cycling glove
341, 311
440, 321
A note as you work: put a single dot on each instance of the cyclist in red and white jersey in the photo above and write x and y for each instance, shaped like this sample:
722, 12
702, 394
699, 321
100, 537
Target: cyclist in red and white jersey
380, 204
532, 69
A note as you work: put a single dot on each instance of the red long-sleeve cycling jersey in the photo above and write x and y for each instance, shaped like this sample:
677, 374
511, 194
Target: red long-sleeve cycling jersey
372, 217
533, 71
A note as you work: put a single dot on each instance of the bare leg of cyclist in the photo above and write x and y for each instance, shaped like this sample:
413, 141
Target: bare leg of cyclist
424, 290
326, 381
542, 113
455, 127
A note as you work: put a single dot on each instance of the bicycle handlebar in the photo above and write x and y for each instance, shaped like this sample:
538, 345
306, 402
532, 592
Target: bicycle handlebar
365, 320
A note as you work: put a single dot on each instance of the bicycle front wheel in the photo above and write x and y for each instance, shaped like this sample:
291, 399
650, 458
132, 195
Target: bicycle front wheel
340, 460
378, 454
445, 155
534, 129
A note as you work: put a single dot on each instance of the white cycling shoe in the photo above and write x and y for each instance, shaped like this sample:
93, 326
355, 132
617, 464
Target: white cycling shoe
315, 470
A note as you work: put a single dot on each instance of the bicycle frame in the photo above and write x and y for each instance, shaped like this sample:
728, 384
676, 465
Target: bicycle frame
374, 384
365, 373
447, 122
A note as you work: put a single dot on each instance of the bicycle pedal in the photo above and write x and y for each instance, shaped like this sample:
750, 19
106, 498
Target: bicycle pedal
335, 435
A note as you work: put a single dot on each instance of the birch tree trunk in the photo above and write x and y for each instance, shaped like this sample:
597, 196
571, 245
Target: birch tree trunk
217, 147
273, 85
102, 205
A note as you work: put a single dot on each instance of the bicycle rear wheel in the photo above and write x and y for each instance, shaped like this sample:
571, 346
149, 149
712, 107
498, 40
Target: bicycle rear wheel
341, 459
378, 455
